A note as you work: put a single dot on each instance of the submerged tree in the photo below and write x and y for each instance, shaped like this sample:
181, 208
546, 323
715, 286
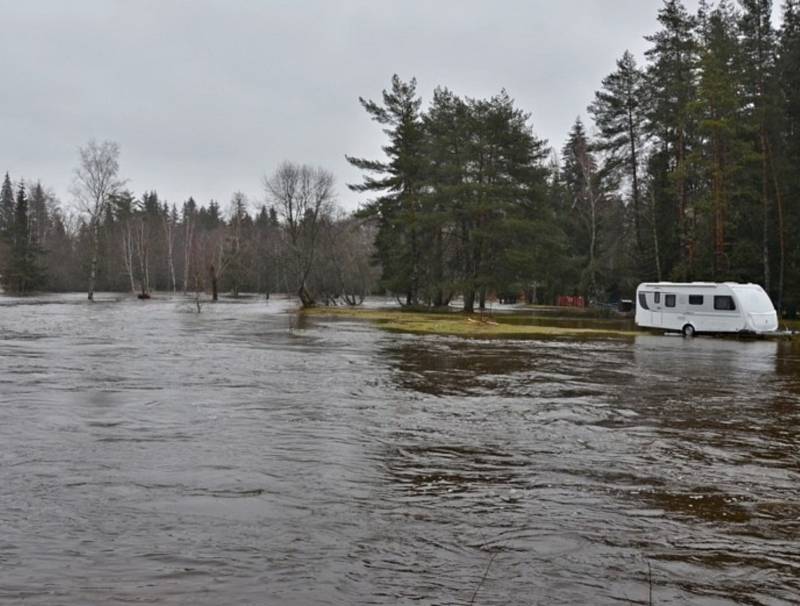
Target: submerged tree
304, 197
96, 180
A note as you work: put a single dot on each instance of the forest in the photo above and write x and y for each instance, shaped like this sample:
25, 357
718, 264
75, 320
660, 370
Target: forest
688, 169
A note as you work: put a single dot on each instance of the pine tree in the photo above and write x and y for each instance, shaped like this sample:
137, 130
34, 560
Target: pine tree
671, 77
761, 101
789, 75
717, 110
398, 185
506, 178
587, 203
619, 113
789, 78
447, 133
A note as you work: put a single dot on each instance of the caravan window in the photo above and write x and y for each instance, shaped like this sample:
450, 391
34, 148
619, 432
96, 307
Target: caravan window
669, 300
657, 297
643, 300
724, 303
695, 299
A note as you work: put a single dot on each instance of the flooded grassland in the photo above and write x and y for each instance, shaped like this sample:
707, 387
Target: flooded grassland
245, 455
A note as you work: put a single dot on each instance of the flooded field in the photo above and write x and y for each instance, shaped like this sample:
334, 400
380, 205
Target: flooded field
152, 455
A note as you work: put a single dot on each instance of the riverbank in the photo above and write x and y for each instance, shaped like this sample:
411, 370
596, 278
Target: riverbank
506, 325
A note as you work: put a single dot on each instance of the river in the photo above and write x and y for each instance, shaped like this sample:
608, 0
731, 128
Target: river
151, 454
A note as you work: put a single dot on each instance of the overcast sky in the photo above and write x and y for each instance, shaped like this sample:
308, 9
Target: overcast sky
204, 97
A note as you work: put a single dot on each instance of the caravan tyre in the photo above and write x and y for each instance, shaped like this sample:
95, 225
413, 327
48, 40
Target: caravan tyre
688, 330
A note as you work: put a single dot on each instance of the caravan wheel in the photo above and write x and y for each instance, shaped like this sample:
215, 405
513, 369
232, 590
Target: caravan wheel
688, 330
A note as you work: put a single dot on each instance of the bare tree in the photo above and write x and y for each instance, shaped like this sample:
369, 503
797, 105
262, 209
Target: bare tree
304, 196
96, 180
346, 272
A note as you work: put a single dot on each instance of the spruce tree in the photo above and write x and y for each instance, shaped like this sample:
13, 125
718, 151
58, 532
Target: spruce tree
586, 202
22, 272
6, 222
39, 214
6, 207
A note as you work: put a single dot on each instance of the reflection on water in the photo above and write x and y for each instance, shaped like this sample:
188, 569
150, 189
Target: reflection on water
239, 456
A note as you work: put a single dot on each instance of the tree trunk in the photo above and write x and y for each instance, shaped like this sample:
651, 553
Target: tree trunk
127, 251
469, 300
635, 175
718, 202
93, 266
187, 249
214, 292
655, 236
306, 299
144, 267
197, 291
593, 246
781, 227
169, 230
765, 209
682, 204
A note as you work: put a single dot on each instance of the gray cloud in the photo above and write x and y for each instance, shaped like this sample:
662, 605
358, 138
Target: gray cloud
206, 96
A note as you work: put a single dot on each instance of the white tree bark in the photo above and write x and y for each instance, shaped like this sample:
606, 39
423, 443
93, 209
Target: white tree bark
96, 180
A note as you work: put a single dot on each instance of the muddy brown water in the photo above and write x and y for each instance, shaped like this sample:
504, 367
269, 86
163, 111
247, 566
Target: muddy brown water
149, 454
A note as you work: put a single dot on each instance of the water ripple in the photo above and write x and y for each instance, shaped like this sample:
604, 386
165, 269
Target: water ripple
240, 456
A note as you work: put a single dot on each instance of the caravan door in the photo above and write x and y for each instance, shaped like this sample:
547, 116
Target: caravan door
658, 309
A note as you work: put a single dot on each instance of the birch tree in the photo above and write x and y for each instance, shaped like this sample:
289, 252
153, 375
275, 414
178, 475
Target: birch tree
96, 179
170, 221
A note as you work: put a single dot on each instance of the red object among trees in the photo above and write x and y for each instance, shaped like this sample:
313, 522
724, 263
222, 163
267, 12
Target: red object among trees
566, 301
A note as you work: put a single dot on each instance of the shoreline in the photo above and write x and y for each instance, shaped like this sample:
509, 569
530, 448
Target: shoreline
505, 325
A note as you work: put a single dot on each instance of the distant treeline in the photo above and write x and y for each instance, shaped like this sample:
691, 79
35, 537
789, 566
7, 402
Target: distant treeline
301, 244
691, 171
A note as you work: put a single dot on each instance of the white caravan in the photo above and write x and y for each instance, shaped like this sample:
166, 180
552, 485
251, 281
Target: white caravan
692, 307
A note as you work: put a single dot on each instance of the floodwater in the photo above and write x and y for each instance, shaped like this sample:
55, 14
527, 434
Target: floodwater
152, 455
